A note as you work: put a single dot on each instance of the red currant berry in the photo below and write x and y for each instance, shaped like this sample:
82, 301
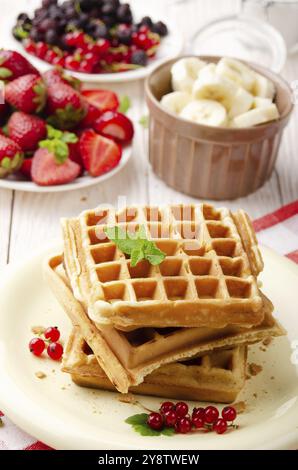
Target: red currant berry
197, 422
199, 412
170, 418
211, 414
59, 61
229, 413
52, 333
166, 406
30, 46
37, 346
102, 46
155, 421
55, 351
86, 66
41, 49
181, 409
220, 426
183, 425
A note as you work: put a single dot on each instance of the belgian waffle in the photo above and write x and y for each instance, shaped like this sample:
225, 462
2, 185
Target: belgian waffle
208, 277
127, 357
217, 377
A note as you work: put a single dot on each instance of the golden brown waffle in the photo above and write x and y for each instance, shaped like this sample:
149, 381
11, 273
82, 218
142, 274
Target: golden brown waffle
208, 277
127, 357
217, 377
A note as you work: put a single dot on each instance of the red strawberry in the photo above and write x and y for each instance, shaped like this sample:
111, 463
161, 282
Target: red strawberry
75, 155
93, 113
26, 168
105, 100
11, 156
47, 171
57, 75
26, 93
99, 154
26, 130
14, 65
115, 126
65, 105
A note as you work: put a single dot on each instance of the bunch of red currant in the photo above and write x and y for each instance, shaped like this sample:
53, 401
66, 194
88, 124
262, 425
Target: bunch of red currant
51, 336
177, 416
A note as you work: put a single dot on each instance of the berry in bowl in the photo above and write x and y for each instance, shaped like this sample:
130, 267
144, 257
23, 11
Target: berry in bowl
89, 36
54, 133
215, 124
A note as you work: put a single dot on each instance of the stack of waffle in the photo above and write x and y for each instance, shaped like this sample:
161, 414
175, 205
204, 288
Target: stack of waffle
179, 329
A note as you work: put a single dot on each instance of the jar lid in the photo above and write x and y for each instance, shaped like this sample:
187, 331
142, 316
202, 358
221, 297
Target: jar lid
244, 38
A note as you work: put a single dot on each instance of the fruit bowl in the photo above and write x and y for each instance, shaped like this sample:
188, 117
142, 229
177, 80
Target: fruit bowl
167, 46
56, 135
212, 162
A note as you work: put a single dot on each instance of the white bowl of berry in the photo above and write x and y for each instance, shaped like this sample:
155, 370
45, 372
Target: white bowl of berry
97, 40
55, 135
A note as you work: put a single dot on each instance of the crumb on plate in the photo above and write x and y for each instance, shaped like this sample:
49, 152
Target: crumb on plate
40, 375
254, 369
127, 398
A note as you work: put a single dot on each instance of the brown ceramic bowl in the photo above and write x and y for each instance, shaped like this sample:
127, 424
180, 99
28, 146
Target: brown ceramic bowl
212, 162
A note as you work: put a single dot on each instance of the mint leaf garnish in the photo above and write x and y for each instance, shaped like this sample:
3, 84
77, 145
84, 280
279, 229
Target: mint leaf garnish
136, 245
56, 143
144, 121
139, 424
125, 104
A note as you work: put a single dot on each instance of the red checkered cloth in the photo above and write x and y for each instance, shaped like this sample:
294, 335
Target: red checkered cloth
278, 230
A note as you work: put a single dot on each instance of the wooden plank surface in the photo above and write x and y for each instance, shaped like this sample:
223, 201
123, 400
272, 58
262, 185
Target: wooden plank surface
30, 221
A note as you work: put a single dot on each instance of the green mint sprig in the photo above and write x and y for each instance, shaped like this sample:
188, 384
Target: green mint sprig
57, 143
139, 424
136, 245
124, 105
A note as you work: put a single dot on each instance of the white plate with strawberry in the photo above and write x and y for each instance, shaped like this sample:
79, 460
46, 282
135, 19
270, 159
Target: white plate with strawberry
54, 136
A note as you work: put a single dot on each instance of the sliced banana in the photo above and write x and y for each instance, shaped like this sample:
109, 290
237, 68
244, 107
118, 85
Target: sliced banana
175, 101
207, 112
263, 87
215, 88
208, 70
241, 103
261, 102
184, 72
237, 72
256, 116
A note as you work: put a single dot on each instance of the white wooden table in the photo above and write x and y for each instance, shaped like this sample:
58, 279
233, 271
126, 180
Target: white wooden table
29, 222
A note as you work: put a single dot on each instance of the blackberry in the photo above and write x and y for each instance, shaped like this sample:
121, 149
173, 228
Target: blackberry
51, 37
48, 3
101, 32
139, 58
108, 9
23, 17
124, 36
35, 35
160, 28
109, 21
124, 14
46, 25
146, 21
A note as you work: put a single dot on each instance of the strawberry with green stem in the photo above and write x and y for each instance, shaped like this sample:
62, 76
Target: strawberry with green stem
11, 156
65, 106
26, 130
51, 164
14, 65
27, 93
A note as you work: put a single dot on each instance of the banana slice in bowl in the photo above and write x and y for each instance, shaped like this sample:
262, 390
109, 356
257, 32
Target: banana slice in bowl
207, 112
